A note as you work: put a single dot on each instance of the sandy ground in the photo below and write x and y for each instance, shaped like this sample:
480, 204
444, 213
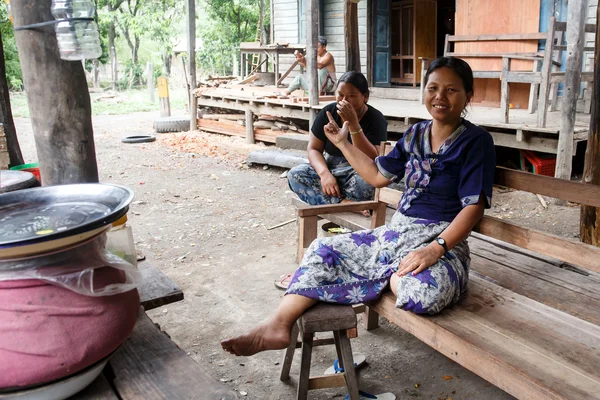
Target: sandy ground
202, 215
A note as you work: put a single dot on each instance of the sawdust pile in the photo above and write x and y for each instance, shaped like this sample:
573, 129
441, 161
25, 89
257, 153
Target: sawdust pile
231, 149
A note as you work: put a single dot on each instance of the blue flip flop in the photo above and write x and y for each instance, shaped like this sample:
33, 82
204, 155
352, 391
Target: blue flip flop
368, 396
359, 361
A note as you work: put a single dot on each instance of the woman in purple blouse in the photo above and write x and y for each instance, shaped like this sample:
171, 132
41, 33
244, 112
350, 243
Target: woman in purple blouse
448, 168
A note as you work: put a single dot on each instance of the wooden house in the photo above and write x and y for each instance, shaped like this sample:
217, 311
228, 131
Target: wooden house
395, 34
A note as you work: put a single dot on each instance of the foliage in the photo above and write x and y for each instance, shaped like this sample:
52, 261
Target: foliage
133, 75
228, 23
137, 19
11, 56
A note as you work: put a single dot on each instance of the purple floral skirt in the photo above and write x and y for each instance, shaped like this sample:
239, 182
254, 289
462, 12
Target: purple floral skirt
356, 267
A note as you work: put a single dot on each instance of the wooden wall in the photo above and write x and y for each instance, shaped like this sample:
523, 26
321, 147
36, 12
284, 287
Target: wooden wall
489, 17
285, 28
334, 32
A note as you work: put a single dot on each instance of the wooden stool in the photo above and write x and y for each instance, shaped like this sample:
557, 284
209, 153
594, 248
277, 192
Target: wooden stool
323, 318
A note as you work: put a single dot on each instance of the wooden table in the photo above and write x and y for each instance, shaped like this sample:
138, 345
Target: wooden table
149, 365
272, 51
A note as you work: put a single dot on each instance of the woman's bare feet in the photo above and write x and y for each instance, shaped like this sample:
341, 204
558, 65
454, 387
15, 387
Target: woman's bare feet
364, 213
268, 336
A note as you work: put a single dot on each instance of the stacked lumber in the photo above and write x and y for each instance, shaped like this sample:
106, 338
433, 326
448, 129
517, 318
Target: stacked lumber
266, 128
232, 128
305, 99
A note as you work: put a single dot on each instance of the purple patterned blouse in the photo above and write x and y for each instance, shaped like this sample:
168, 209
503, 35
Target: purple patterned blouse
439, 185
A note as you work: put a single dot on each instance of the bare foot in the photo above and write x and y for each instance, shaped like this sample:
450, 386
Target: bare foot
268, 336
364, 213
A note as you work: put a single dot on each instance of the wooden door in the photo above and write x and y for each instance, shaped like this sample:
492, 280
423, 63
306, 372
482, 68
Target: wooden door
381, 43
425, 36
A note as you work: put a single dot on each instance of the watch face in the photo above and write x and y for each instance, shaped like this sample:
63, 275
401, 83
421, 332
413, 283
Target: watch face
442, 243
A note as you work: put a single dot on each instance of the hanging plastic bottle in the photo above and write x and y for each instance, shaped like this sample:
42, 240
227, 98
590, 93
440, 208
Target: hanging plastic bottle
77, 39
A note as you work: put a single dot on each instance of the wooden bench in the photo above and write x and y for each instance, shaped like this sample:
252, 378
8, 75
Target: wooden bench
149, 365
530, 321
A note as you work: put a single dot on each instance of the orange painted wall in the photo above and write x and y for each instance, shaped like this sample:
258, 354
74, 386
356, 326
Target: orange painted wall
478, 17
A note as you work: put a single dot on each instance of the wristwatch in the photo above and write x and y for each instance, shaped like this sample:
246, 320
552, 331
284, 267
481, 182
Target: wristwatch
442, 243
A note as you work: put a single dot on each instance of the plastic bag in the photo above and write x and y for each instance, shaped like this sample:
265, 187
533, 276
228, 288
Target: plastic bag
77, 268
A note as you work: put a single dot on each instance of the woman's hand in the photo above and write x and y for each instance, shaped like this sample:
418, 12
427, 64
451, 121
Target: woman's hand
334, 133
347, 112
330, 186
420, 259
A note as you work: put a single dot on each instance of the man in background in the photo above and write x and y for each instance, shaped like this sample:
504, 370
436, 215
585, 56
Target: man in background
325, 67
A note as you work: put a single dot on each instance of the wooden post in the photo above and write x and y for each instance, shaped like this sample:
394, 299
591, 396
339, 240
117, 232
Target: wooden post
546, 71
150, 79
271, 31
59, 101
4, 157
351, 36
191, 14
249, 126
534, 89
590, 216
9, 132
163, 96
505, 89
575, 43
370, 42
312, 35
236, 66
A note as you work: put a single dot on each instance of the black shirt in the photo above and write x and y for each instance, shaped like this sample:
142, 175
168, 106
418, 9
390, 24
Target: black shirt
373, 124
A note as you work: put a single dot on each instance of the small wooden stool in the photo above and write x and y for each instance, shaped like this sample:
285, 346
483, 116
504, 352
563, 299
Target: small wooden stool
323, 318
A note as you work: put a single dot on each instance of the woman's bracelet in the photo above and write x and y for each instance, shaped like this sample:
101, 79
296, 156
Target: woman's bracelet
357, 132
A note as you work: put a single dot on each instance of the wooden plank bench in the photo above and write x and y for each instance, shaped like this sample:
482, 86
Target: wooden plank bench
149, 365
530, 322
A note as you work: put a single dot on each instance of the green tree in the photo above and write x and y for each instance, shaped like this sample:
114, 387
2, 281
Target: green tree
137, 19
11, 56
227, 24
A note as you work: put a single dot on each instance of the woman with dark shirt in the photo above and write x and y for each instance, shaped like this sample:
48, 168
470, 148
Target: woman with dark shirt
329, 178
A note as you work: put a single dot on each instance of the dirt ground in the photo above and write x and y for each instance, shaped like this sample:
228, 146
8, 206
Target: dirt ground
203, 216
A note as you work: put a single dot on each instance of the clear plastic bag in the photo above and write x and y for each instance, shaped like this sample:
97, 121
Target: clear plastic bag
77, 268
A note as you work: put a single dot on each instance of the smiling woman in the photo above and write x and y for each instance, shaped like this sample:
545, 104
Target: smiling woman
448, 168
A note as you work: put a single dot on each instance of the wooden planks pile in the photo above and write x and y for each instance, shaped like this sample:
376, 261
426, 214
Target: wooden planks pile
266, 128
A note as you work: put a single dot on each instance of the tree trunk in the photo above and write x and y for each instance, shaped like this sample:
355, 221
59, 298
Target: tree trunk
136, 48
239, 25
112, 34
167, 62
96, 73
6, 118
59, 101
590, 216
261, 23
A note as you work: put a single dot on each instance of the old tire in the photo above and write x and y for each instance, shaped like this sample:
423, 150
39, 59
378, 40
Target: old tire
172, 124
138, 139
